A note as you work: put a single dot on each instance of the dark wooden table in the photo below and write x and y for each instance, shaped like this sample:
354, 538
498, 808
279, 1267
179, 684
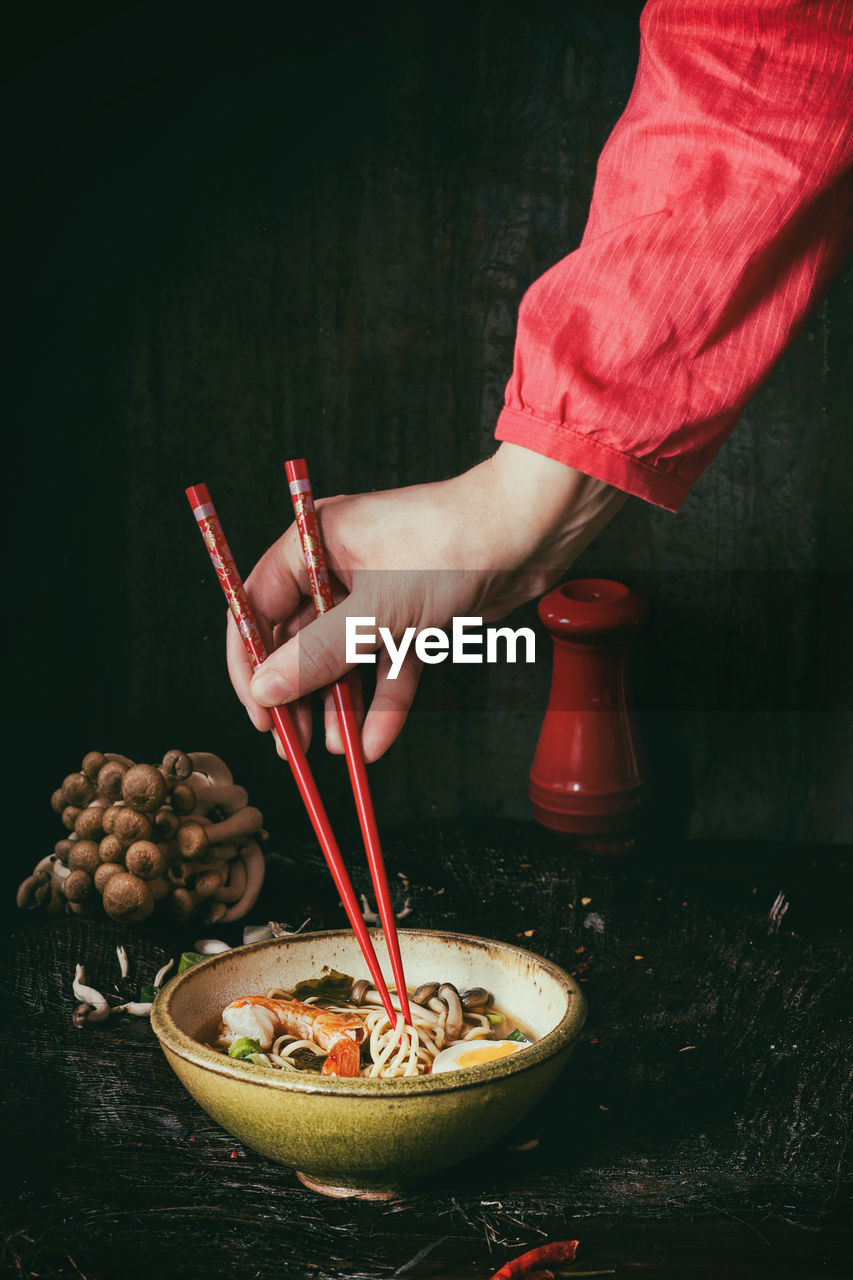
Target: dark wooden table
699, 1130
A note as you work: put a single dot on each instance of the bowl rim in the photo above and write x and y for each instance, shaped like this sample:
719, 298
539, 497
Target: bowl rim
174, 1041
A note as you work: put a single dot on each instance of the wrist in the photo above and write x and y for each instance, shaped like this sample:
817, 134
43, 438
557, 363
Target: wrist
552, 511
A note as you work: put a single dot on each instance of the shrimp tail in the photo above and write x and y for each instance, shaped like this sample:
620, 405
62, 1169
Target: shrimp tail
344, 1059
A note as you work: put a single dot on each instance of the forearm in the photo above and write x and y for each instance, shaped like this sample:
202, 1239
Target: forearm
720, 214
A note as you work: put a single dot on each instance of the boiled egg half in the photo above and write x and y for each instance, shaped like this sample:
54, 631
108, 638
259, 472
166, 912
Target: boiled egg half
473, 1053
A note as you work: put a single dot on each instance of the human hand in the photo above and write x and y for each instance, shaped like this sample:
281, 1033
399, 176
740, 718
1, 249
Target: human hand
479, 544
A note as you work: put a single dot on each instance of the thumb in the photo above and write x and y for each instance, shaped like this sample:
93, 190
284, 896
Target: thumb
313, 658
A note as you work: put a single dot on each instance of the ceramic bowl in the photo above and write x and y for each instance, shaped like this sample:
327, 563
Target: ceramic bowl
369, 1137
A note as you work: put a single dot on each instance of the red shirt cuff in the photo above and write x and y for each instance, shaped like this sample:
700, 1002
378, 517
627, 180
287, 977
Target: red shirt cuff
559, 441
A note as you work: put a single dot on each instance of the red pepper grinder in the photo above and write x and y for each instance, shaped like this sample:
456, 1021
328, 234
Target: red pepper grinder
589, 776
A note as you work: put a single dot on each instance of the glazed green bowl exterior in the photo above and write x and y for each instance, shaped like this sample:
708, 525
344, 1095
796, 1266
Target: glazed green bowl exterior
369, 1136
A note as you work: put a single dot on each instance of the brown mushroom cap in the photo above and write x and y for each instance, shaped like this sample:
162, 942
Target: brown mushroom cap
62, 848
84, 855
57, 801
78, 789
145, 859
129, 825
360, 989
177, 765
90, 824
425, 992
144, 788
127, 898
70, 814
192, 840
166, 823
206, 885
108, 817
93, 763
475, 998
105, 872
182, 799
109, 779
112, 849
77, 886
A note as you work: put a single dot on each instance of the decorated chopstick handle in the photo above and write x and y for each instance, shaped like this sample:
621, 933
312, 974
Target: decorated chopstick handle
226, 571
309, 534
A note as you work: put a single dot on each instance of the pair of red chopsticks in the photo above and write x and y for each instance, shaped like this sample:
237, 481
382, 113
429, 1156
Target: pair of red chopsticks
238, 602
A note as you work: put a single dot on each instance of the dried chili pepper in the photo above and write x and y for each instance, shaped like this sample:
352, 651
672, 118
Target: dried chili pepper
533, 1264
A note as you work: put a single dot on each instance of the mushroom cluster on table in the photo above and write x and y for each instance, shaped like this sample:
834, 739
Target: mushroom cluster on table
181, 832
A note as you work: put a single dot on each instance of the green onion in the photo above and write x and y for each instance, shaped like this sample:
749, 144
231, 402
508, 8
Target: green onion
188, 958
259, 1059
244, 1048
517, 1035
147, 994
495, 1018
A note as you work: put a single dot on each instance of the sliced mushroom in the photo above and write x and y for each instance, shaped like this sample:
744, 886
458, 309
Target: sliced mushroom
475, 998
448, 994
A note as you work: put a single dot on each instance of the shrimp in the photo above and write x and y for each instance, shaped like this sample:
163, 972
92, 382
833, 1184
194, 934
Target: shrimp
263, 1019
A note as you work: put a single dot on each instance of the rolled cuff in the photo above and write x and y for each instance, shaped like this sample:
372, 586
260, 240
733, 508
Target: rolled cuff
560, 442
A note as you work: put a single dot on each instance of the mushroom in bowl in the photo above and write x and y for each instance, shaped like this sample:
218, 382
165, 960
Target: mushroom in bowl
370, 1136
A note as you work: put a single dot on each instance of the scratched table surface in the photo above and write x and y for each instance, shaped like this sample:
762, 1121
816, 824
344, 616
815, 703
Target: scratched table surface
700, 1128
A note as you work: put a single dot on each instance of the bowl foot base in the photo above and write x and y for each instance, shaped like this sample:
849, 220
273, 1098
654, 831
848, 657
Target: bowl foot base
345, 1193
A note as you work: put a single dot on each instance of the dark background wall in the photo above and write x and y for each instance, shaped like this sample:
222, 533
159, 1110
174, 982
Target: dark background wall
246, 234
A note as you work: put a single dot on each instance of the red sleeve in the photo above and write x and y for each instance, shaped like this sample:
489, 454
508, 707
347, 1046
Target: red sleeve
722, 209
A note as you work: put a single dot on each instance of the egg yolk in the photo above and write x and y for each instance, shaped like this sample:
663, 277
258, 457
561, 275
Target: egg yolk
486, 1053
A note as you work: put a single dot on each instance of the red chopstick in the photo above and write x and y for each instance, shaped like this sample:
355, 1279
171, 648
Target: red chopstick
321, 591
238, 602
